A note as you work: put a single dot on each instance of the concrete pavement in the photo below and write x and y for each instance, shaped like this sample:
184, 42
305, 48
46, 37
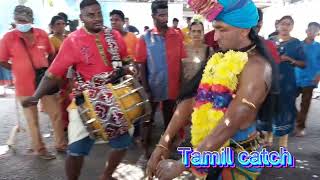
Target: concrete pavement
20, 166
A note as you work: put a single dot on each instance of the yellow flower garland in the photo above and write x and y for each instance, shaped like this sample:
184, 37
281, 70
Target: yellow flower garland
222, 70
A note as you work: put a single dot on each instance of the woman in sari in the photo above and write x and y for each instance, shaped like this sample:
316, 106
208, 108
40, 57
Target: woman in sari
291, 57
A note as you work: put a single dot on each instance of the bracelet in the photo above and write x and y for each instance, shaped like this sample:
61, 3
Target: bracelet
245, 101
162, 146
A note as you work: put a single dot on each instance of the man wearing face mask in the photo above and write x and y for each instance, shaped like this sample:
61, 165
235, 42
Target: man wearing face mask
29, 49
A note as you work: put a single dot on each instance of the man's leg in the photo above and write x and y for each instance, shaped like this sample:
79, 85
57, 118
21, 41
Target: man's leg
147, 130
168, 110
53, 108
75, 159
283, 141
115, 157
119, 148
31, 115
73, 166
304, 108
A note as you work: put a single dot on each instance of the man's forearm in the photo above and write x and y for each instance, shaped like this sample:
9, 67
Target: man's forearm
5, 65
48, 85
143, 76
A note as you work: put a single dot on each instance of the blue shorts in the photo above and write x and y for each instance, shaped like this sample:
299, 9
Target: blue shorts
83, 146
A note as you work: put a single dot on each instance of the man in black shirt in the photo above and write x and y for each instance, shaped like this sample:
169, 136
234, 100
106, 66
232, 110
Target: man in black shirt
129, 28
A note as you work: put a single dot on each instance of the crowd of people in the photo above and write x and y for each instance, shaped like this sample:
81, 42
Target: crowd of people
233, 103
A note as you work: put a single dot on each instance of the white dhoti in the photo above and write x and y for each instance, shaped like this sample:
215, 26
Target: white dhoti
76, 129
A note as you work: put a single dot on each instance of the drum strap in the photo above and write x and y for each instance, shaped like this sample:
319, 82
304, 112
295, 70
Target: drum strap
113, 49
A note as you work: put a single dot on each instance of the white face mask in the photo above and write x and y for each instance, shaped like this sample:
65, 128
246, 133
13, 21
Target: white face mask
24, 27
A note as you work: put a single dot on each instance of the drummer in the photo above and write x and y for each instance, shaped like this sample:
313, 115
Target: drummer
87, 50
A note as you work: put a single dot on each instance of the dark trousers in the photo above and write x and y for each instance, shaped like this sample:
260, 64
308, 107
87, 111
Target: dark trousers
304, 107
167, 110
167, 113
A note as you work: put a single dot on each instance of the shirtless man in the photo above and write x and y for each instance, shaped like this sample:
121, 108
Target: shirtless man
254, 85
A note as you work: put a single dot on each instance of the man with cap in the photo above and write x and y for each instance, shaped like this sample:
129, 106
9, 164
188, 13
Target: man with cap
29, 49
92, 50
233, 115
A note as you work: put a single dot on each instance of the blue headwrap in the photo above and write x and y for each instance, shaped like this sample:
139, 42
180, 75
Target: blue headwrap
239, 13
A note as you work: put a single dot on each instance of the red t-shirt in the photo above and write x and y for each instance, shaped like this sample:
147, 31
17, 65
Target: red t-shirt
172, 53
272, 48
80, 51
12, 48
209, 40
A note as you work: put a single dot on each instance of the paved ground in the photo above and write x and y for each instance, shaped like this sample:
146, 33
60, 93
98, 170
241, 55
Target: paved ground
20, 166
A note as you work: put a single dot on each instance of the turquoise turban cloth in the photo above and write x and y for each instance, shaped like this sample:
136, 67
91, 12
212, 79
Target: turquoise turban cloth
239, 13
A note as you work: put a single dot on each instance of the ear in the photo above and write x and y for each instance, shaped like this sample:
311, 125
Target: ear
81, 17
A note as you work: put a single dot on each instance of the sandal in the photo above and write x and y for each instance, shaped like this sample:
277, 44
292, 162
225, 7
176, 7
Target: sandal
47, 156
44, 154
61, 149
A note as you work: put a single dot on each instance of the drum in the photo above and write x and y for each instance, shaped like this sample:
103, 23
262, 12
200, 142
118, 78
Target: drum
109, 110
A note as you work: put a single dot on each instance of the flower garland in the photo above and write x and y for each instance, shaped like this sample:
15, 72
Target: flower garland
216, 90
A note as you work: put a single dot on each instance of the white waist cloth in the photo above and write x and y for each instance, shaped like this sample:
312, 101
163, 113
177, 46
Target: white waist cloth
76, 129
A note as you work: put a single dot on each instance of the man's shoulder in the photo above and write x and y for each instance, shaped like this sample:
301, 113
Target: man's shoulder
258, 64
317, 44
78, 32
131, 35
296, 41
10, 34
132, 27
40, 32
258, 61
115, 33
145, 33
185, 29
174, 32
77, 35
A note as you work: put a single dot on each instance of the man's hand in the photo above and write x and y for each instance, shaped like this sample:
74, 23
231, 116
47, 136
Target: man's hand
158, 154
131, 69
169, 169
30, 101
